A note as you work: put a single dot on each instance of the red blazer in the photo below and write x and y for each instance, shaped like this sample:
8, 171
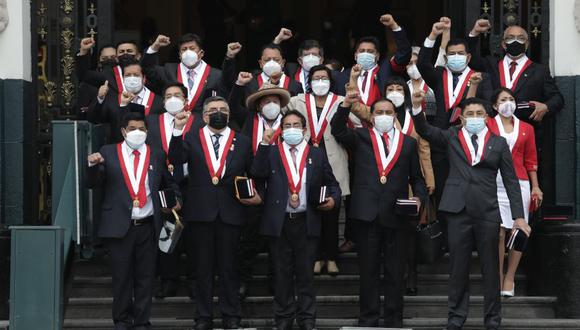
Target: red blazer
524, 153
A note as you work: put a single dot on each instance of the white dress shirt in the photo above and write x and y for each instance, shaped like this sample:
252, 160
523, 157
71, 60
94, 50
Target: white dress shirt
128, 157
302, 195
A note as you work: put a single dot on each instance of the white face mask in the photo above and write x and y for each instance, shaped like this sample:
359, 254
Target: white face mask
413, 72
507, 108
271, 110
133, 84
189, 58
310, 61
397, 98
366, 60
271, 67
320, 87
174, 105
384, 123
135, 139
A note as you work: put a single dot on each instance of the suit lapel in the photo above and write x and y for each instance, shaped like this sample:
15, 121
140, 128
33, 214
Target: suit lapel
230, 155
523, 78
309, 166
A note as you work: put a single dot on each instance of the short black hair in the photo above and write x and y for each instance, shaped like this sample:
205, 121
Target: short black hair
500, 90
175, 84
397, 80
271, 46
309, 44
105, 46
132, 61
457, 41
189, 37
128, 41
382, 99
334, 63
370, 39
295, 113
132, 116
474, 101
319, 67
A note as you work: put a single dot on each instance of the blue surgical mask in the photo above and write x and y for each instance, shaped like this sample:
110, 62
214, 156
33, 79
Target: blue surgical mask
366, 60
292, 136
456, 63
474, 125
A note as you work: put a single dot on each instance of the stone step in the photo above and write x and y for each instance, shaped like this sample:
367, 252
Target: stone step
324, 323
327, 307
427, 284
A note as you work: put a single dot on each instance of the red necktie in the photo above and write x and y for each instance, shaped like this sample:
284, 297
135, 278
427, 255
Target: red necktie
513, 65
136, 153
364, 82
293, 150
386, 138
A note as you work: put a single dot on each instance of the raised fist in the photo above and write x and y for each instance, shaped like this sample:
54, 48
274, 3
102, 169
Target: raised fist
446, 22
355, 71
86, 45
95, 158
243, 78
476, 78
233, 49
480, 26
161, 41
417, 98
283, 35
181, 119
437, 30
389, 21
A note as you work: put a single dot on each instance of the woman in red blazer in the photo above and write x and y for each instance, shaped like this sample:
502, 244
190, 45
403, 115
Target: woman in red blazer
521, 140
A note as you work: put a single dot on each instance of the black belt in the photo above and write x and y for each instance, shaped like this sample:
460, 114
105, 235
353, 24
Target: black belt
139, 222
296, 215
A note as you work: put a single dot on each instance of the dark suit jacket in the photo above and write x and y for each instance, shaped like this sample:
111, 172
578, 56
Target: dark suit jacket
387, 65
207, 202
218, 81
370, 199
117, 203
268, 166
534, 84
434, 78
474, 188
110, 112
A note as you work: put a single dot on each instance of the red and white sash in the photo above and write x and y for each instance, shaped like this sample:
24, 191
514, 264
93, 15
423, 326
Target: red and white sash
147, 100
118, 72
454, 96
216, 166
504, 73
135, 184
318, 125
300, 77
408, 125
422, 87
258, 127
198, 83
473, 157
284, 80
372, 92
501, 130
385, 163
293, 174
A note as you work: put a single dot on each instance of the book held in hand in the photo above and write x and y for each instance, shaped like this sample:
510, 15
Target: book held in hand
323, 195
408, 207
168, 198
245, 187
517, 241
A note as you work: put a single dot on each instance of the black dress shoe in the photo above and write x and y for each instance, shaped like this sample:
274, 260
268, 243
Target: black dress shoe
307, 326
243, 291
231, 323
167, 289
203, 325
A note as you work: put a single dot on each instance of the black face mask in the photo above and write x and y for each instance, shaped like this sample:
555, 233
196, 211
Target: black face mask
218, 120
108, 63
125, 59
515, 48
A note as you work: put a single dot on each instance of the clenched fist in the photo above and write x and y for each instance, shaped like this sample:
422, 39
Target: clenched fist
389, 21
283, 35
181, 120
126, 98
355, 71
446, 22
86, 45
480, 26
476, 78
417, 98
95, 158
437, 29
244, 78
161, 41
268, 135
233, 49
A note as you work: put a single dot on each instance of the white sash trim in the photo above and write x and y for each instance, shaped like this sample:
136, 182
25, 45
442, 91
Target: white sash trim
393, 146
317, 122
506, 70
215, 162
196, 81
299, 155
262, 124
451, 92
502, 132
475, 158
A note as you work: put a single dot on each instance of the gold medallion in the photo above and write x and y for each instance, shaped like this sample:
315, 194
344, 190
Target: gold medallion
294, 197
136, 202
170, 168
383, 179
316, 145
215, 180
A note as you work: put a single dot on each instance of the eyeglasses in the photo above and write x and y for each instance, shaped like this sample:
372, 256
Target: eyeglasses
216, 110
510, 39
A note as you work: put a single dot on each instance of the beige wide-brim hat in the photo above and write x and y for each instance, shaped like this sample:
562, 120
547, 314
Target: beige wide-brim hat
266, 90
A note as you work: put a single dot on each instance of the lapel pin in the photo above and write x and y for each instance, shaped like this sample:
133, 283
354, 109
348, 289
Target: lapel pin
150, 167
310, 161
232, 147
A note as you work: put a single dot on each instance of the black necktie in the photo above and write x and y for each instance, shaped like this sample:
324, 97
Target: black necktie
474, 142
455, 79
216, 145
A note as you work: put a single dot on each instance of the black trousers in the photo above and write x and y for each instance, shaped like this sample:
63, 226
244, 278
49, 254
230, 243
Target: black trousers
251, 243
349, 229
464, 233
133, 272
372, 239
328, 243
215, 246
293, 256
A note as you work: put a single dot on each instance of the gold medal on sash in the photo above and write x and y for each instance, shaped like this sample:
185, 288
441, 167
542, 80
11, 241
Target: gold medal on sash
294, 197
170, 168
383, 179
215, 180
136, 202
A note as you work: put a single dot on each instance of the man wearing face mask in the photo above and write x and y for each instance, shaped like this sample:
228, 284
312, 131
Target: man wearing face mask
215, 156
87, 92
110, 106
131, 173
470, 204
201, 79
386, 163
417, 83
160, 133
319, 106
367, 52
272, 65
530, 81
294, 173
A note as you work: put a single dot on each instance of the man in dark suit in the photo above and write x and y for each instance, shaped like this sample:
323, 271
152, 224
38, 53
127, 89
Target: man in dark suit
200, 78
215, 156
470, 204
530, 81
272, 65
110, 106
132, 174
374, 77
386, 162
160, 133
294, 175
87, 92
